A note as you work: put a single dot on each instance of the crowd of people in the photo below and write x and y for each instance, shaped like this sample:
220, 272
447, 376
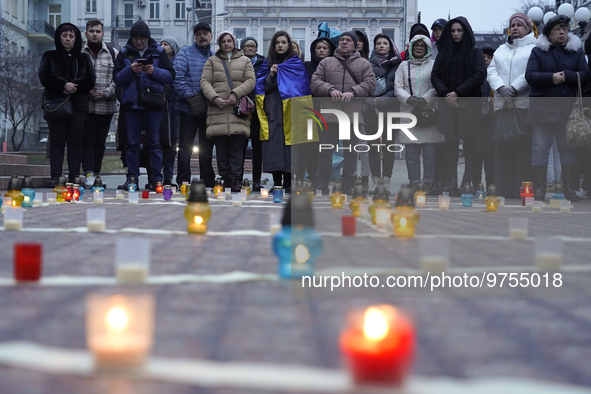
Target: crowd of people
506, 107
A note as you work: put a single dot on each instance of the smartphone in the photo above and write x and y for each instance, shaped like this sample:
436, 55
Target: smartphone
143, 62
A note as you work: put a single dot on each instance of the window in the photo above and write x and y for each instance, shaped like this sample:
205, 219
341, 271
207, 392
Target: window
299, 36
240, 35
91, 6
267, 36
55, 15
179, 10
389, 33
155, 9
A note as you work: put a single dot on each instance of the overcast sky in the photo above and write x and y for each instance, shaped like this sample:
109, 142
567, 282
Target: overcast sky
482, 15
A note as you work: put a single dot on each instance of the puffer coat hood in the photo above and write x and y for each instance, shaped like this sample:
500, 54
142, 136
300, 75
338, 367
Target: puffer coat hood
58, 41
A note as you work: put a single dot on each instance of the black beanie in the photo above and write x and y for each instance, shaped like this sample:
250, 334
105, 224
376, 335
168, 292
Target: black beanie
139, 29
351, 34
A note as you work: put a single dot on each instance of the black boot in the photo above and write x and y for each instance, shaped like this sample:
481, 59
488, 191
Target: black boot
236, 185
435, 189
256, 185
570, 181
540, 173
451, 186
365, 184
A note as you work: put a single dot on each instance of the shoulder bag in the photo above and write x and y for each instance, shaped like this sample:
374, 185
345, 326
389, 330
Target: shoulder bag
426, 117
370, 115
149, 97
509, 124
197, 104
578, 127
58, 108
244, 106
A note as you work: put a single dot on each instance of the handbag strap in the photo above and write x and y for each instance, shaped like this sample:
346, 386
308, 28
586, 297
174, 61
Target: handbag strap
409, 79
579, 92
59, 106
349, 71
227, 74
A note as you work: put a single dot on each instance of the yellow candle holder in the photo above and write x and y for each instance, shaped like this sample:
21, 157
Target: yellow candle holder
119, 329
492, 199
420, 196
337, 198
197, 212
358, 198
405, 219
218, 187
14, 192
246, 185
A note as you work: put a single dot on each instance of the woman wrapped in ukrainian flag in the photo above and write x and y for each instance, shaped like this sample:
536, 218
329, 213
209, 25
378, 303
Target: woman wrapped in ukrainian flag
282, 93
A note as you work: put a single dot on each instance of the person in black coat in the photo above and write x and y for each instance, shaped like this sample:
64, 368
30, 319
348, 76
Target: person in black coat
249, 46
552, 73
67, 72
458, 74
362, 44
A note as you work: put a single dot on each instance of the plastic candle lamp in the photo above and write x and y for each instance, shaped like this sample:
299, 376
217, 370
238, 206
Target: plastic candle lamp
246, 185
358, 198
132, 186
218, 187
221, 196
119, 329
197, 211
434, 254
96, 220
132, 260
145, 194
492, 200
529, 201
14, 192
119, 195
564, 206
297, 245
518, 228
337, 198
184, 186
159, 188
38, 200
98, 184
480, 193
526, 190
349, 225
548, 252
28, 192
383, 217
167, 193
69, 192
236, 200
275, 222
97, 196
13, 218
52, 197
444, 203
27, 261
421, 196
243, 194
467, 197
133, 198
380, 200
277, 194
405, 218
537, 206
318, 193
379, 346
264, 193
557, 197
76, 193
59, 189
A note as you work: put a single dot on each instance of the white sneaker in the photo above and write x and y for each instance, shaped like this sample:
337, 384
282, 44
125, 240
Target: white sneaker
375, 181
387, 183
90, 180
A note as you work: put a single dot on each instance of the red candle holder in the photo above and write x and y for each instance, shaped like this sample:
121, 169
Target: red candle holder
145, 194
379, 346
159, 188
27, 261
526, 190
349, 225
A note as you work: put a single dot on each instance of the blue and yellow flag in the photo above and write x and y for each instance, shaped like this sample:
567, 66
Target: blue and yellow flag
294, 89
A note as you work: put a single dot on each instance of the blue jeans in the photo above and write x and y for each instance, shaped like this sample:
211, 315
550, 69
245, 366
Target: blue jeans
543, 136
149, 120
413, 162
554, 168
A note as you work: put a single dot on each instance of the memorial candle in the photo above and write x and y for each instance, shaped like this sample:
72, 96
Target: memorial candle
27, 261
526, 190
379, 348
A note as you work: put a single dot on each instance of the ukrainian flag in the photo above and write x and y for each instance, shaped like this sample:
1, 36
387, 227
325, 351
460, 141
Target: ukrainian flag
294, 89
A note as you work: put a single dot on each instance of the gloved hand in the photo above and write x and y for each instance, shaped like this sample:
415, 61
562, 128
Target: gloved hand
504, 92
412, 101
422, 102
513, 91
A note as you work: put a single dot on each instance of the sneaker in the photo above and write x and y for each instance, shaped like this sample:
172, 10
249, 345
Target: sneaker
89, 180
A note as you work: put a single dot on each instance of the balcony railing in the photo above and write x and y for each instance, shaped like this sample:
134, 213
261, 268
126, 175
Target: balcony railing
124, 22
40, 27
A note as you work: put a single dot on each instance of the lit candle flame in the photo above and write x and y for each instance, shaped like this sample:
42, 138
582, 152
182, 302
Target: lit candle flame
403, 222
375, 326
117, 319
198, 220
301, 254
13, 203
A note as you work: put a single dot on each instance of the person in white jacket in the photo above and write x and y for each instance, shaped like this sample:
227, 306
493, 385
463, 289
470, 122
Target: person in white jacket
506, 77
413, 88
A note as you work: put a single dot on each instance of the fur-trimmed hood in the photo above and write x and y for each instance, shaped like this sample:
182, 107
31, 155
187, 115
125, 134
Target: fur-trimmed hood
573, 44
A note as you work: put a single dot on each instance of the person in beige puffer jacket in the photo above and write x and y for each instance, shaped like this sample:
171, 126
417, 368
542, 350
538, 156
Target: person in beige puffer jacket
228, 131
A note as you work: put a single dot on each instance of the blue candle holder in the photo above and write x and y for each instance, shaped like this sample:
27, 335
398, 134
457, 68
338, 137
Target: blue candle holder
277, 194
297, 249
467, 199
28, 192
98, 185
480, 193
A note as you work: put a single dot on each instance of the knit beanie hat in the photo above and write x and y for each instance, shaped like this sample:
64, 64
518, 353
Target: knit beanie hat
245, 40
172, 42
139, 29
352, 35
524, 19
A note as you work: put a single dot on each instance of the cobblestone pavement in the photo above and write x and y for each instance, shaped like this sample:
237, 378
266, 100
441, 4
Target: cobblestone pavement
460, 334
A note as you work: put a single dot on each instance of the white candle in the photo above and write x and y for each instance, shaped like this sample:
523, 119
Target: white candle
51, 198
38, 200
119, 195
13, 225
221, 196
264, 193
383, 217
236, 200
443, 203
318, 192
529, 201
518, 233
564, 206
435, 264
98, 197
96, 226
13, 218
548, 261
134, 198
537, 206
132, 273
421, 201
275, 228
